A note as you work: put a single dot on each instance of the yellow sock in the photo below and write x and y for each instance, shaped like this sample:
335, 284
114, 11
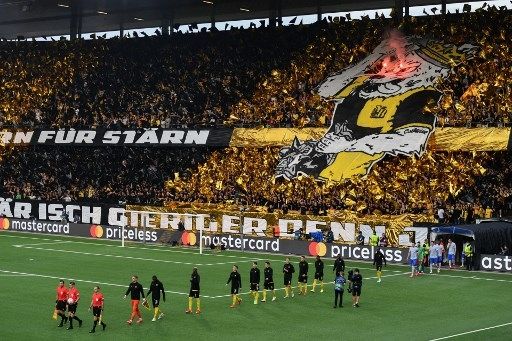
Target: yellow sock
305, 287
256, 296
190, 303
264, 295
234, 299
314, 285
198, 303
273, 293
321, 285
379, 273
286, 291
299, 285
156, 312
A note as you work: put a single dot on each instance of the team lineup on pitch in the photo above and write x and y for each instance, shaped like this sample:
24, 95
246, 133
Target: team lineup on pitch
174, 267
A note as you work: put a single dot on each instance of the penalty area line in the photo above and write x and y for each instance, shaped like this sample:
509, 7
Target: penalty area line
472, 331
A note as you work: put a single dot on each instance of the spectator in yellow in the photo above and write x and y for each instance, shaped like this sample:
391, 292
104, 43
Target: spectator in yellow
374, 239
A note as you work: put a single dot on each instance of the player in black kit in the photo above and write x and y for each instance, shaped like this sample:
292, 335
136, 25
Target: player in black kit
154, 289
303, 276
319, 274
236, 285
195, 280
268, 283
254, 278
288, 271
378, 260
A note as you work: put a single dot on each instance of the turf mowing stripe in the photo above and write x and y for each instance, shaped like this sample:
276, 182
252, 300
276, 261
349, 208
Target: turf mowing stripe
107, 255
16, 273
51, 243
473, 277
472, 331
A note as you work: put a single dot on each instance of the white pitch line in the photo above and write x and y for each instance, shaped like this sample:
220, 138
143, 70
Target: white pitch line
107, 255
16, 273
37, 244
473, 277
472, 331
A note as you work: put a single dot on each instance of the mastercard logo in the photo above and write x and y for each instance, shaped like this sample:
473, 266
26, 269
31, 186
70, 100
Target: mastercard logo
317, 249
96, 231
188, 238
4, 224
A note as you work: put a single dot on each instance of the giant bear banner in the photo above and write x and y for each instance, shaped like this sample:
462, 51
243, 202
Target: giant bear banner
378, 109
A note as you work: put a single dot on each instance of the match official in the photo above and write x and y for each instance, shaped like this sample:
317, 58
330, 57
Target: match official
97, 306
61, 302
73, 298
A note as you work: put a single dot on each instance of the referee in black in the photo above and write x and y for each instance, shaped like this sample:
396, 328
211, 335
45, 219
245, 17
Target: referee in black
154, 289
236, 284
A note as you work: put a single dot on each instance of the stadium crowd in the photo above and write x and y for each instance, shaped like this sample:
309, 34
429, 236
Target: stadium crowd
255, 77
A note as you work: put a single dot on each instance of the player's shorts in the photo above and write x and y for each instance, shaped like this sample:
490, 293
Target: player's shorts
413, 262
303, 279
193, 293
433, 260
439, 259
155, 301
451, 257
72, 308
96, 311
234, 290
255, 287
356, 290
287, 280
61, 305
378, 267
319, 276
268, 285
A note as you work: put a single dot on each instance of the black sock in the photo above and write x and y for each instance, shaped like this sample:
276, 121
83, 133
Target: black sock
103, 323
95, 323
71, 323
76, 318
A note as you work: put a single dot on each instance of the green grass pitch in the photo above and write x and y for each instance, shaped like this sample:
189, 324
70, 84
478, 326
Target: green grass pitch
476, 305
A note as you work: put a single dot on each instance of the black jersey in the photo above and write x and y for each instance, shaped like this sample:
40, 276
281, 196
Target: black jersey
194, 282
254, 276
319, 266
269, 275
379, 258
135, 290
235, 279
357, 280
288, 269
339, 265
155, 288
303, 268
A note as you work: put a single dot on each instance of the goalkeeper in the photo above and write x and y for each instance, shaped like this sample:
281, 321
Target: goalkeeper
135, 290
154, 289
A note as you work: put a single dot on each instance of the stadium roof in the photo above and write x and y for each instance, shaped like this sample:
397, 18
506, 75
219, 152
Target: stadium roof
35, 18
